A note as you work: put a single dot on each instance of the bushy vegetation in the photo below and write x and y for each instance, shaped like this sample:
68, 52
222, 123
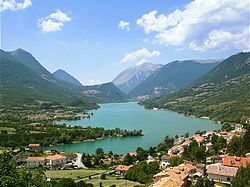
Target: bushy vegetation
142, 172
242, 179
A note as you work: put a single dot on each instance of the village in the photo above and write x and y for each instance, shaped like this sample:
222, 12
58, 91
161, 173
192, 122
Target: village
217, 164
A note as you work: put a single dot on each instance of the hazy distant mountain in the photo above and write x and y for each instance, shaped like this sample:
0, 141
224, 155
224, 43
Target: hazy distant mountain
63, 75
107, 90
133, 76
172, 77
221, 94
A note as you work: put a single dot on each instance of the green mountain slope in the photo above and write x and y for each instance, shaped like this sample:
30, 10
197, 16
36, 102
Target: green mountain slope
64, 76
23, 80
172, 77
222, 94
21, 85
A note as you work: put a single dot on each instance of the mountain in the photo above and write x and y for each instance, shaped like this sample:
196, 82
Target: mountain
172, 77
23, 85
107, 90
222, 94
133, 76
24, 81
63, 75
28, 60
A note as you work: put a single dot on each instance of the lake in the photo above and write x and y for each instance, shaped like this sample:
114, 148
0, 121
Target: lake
155, 124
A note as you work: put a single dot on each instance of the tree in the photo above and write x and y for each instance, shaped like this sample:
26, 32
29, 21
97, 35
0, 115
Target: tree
203, 182
9, 176
66, 182
186, 135
103, 176
242, 177
175, 161
235, 146
128, 160
227, 127
99, 151
141, 154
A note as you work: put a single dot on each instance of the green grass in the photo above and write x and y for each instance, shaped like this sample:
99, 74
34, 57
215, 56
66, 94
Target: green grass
112, 180
74, 174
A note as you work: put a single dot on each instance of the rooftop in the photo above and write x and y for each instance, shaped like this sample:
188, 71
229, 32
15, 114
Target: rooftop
122, 168
172, 177
36, 159
218, 169
235, 161
34, 145
55, 157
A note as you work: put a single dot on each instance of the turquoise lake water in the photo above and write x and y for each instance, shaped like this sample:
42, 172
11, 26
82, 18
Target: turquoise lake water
154, 124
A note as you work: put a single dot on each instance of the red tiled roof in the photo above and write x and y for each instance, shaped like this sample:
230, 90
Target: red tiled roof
235, 161
122, 168
132, 153
55, 157
218, 169
36, 159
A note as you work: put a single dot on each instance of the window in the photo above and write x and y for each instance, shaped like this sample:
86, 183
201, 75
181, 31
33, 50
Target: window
228, 179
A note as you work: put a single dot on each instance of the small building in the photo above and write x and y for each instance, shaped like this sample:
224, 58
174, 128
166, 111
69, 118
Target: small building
150, 159
121, 169
198, 138
132, 153
209, 146
235, 161
214, 159
34, 162
165, 160
221, 174
200, 169
34, 148
238, 128
247, 155
171, 177
247, 120
56, 161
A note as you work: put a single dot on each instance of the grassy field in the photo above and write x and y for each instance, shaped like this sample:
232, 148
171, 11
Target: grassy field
74, 174
112, 180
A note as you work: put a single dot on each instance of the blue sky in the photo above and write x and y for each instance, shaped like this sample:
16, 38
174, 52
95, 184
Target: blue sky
84, 37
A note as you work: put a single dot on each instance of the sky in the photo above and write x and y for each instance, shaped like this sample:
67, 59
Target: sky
94, 40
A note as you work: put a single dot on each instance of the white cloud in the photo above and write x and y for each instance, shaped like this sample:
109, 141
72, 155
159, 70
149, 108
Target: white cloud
54, 22
13, 5
202, 25
141, 53
124, 25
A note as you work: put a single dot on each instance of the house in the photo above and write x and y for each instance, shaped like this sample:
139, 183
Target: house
238, 128
214, 159
247, 120
200, 169
52, 162
56, 161
165, 160
191, 169
247, 155
132, 153
234, 161
34, 162
121, 169
171, 177
209, 146
198, 138
150, 159
34, 148
175, 150
221, 174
